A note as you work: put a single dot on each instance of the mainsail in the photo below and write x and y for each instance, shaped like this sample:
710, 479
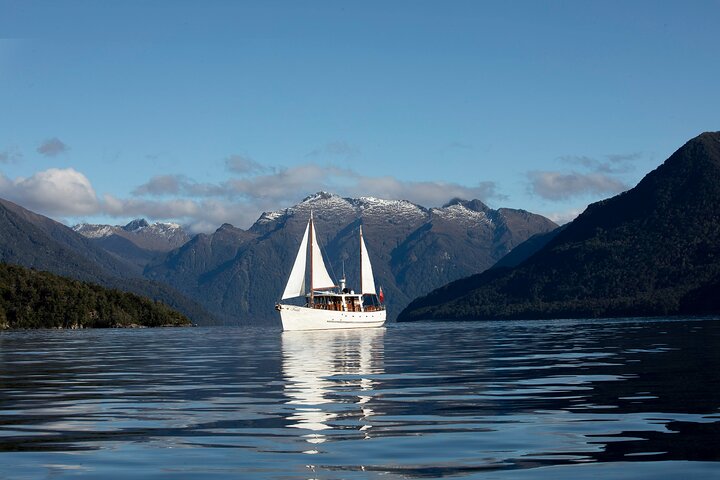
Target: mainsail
320, 276
367, 282
296, 283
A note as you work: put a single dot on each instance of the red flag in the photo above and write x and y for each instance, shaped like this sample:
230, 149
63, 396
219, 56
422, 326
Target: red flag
381, 296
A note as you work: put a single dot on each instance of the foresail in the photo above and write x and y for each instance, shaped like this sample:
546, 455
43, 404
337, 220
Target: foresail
367, 282
296, 283
321, 278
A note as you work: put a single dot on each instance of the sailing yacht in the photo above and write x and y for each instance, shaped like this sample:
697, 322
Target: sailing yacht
328, 305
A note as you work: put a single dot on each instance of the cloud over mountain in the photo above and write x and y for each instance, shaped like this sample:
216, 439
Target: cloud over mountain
264, 191
55, 191
599, 178
239, 200
561, 186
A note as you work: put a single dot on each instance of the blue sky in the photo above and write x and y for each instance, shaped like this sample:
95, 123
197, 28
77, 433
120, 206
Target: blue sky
211, 112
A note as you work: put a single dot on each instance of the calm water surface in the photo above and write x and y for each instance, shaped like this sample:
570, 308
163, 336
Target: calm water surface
562, 399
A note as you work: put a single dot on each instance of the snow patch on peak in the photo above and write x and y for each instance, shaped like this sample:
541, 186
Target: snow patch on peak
268, 217
163, 227
322, 195
323, 202
454, 201
333, 205
379, 206
374, 201
139, 231
460, 213
90, 230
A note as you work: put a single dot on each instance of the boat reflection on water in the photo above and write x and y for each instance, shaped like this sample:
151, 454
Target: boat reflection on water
329, 379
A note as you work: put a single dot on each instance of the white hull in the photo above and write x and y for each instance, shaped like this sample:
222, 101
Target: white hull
304, 318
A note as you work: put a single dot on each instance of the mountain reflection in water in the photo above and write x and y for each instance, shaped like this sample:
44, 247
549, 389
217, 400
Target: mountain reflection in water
552, 399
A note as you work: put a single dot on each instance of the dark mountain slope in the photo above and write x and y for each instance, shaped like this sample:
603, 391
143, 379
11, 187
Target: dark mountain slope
33, 240
527, 249
126, 251
644, 252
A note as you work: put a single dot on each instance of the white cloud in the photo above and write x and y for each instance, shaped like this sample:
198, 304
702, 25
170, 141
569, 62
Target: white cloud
197, 215
55, 191
601, 176
284, 187
290, 184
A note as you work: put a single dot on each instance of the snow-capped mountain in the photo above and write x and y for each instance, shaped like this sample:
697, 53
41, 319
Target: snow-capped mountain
239, 274
331, 205
156, 237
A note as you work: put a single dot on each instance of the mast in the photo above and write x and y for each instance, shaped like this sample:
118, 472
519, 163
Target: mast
312, 236
361, 261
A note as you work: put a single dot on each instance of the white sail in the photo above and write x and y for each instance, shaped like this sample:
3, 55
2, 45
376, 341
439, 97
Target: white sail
321, 278
367, 281
296, 283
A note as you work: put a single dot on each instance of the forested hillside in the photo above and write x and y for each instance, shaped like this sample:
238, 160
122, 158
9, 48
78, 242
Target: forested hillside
35, 299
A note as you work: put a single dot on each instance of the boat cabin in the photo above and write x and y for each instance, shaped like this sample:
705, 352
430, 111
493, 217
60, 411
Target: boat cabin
344, 302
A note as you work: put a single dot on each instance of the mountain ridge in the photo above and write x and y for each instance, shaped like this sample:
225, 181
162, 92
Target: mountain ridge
136, 243
412, 249
159, 236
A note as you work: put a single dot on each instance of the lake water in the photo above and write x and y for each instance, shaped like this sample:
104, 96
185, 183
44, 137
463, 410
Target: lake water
614, 399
